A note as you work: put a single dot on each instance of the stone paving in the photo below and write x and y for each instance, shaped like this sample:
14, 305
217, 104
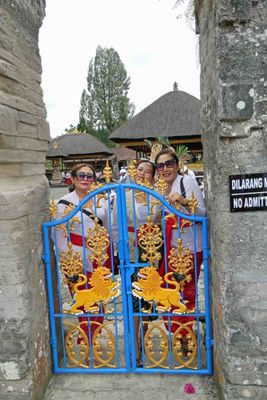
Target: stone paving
128, 386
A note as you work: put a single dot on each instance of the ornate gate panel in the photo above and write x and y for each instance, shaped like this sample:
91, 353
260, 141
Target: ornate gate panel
124, 294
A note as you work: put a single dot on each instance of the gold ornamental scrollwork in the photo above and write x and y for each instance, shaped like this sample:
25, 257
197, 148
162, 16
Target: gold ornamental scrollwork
184, 354
97, 240
67, 210
132, 170
103, 346
150, 240
71, 263
157, 346
107, 172
53, 209
181, 261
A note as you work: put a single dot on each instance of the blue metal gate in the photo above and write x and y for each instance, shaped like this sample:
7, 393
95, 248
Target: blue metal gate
129, 310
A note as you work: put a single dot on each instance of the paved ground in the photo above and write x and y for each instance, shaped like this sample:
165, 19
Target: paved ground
127, 386
57, 193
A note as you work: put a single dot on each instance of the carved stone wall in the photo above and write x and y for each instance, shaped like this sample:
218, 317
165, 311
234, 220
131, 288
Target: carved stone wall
233, 54
24, 133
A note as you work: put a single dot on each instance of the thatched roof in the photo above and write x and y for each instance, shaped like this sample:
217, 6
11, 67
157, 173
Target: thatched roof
77, 144
123, 154
175, 114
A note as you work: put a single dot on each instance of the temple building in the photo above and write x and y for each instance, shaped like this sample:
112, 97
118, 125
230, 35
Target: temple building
72, 148
175, 115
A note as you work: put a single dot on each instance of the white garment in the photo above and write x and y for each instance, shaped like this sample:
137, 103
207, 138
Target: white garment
79, 228
191, 186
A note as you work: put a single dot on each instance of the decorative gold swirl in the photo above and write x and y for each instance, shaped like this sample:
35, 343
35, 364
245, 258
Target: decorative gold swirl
150, 240
103, 345
53, 209
71, 263
132, 170
107, 172
97, 240
181, 261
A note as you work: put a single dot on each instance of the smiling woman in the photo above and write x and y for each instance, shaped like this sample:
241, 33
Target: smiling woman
83, 176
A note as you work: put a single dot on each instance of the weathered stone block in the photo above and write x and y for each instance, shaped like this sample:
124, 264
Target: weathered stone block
33, 169
43, 130
28, 119
27, 130
17, 103
6, 84
18, 155
236, 102
8, 120
7, 142
230, 11
8, 170
31, 144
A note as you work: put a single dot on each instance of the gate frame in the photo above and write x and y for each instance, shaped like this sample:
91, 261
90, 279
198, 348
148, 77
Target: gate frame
124, 265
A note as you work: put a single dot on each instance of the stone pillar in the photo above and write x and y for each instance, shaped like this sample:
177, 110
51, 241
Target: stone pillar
233, 39
24, 133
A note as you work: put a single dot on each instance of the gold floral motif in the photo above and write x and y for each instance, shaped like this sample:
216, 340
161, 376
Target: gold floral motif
103, 346
192, 203
102, 289
181, 261
150, 240
161, 185
71, 263
148, 287
184, 355
132, 170
157, 343
107, 172
97, 240
67, 211
53, 209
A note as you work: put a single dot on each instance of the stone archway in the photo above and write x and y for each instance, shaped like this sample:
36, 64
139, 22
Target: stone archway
233, 98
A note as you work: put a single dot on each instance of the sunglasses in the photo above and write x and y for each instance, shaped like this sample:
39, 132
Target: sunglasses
168, 164
81, 176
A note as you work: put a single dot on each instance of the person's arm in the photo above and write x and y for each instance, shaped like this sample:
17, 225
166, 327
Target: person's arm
191, 186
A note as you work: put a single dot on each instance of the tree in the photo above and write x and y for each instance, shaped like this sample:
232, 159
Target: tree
105, 105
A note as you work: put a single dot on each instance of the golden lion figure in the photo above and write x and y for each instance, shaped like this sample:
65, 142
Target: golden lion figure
149, 288
102, 289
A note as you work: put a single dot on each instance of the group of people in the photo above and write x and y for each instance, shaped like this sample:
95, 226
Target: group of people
178, 191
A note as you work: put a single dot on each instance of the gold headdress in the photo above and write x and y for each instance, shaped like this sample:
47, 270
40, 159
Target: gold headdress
161, 142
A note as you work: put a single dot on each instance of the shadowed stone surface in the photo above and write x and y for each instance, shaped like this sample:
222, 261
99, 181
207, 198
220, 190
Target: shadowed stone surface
233, 113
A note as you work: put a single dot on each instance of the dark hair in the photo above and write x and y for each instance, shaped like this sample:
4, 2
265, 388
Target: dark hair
169, 152
77, 167
144, 160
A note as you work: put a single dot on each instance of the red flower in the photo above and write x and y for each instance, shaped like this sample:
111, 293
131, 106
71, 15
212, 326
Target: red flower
189, 389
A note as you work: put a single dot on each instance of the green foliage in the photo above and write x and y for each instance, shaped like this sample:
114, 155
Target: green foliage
105, 105
48, 165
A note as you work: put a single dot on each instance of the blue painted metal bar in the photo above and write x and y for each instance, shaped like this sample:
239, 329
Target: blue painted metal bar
46, 258
206, 254
124, 259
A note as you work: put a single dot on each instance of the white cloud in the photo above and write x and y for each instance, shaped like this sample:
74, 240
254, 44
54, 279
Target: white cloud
155, 47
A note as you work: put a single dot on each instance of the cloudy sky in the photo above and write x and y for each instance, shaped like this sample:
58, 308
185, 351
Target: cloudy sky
153, 40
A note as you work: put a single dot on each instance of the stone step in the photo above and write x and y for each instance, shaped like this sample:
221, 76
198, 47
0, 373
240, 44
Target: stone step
129, 387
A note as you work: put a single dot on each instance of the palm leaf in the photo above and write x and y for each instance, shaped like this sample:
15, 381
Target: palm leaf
148, 143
